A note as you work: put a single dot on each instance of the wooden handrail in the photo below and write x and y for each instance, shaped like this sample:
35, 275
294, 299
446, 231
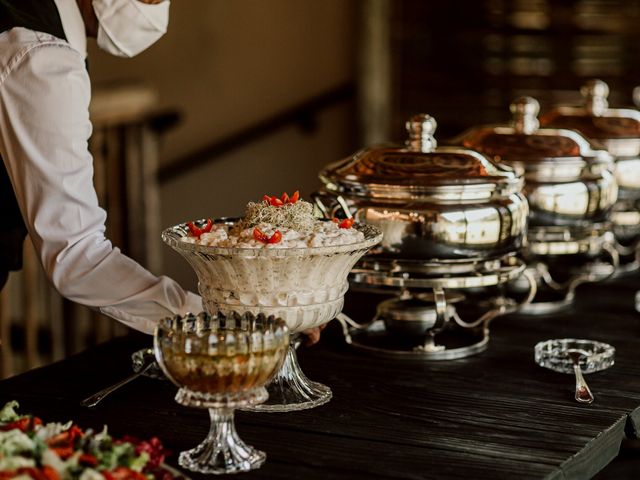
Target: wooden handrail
302, 114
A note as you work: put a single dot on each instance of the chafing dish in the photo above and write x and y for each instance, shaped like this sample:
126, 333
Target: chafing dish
431, 202
571, 193
617, 130
452, 221
567, 180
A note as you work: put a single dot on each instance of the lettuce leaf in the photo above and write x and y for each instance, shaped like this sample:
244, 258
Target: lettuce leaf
8, 412
15, 442
140, 462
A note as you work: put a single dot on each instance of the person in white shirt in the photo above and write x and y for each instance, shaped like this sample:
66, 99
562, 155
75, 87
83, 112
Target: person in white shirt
47, 188
46, 176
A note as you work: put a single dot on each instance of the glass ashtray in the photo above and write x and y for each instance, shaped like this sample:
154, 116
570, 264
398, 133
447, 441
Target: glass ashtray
138, 361
554, 355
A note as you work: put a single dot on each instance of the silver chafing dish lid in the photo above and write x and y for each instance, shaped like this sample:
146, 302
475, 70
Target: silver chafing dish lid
552, 153
420, 170
617, 129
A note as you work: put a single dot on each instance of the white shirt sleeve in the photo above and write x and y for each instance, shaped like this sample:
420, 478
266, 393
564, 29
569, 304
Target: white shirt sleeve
44, 132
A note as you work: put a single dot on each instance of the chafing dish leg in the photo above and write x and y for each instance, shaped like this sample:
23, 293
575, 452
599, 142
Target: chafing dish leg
503, 305
627, 251
441, 319
571, 285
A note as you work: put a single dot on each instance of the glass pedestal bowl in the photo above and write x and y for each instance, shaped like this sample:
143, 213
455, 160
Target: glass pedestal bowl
304, 286
221, 363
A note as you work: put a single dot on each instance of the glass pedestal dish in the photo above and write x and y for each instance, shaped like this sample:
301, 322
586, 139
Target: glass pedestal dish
303, 286
221, 363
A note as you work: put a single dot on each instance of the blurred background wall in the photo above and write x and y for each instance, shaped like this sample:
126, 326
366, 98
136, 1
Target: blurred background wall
247, 97
227, 66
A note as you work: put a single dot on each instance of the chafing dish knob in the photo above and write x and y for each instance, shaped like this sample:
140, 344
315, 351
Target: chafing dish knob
421, 128
525, 115
595, 93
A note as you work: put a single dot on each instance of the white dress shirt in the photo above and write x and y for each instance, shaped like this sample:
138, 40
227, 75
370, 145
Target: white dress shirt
44, 130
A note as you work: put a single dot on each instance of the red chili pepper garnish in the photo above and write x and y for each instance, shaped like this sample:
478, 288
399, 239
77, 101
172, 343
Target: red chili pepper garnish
283, 200
50, 473
272, 200
64, 443
123, 473
68, 436
262, 237
275, 238
47, 473
346, 223
196, 232
88, 459
63, 452
21, 424
24, 424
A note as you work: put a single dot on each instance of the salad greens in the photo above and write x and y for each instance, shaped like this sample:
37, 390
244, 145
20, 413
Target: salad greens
30, 449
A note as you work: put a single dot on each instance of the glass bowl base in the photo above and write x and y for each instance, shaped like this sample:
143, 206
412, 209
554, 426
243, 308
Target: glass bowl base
291, 390
243, 459
311, 395
223, 451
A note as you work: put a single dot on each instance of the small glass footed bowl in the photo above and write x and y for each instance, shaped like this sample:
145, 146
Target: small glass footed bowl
303, 286
595, 356
221, 363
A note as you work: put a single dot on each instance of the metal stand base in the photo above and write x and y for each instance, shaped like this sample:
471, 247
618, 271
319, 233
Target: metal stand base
454, 343
421, 322
547, 308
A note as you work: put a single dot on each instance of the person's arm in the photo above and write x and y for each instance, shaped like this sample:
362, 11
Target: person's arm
44, 132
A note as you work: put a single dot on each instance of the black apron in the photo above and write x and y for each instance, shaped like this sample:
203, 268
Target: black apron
41, 16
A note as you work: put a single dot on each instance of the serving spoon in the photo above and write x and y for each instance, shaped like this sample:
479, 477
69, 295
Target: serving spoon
149, 361
583, 393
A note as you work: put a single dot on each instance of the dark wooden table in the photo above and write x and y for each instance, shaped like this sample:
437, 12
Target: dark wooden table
496, 415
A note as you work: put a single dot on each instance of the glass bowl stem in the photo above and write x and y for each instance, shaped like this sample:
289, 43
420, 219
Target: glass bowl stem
223, 451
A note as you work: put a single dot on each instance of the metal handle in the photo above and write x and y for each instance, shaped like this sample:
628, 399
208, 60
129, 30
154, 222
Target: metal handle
345, 322
503, 306
96, 398
583, 394
327, 210
634, 250
441, 308
421, 128
595, 93
525, 115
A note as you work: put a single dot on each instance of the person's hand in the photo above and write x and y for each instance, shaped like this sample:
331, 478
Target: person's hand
312, 335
